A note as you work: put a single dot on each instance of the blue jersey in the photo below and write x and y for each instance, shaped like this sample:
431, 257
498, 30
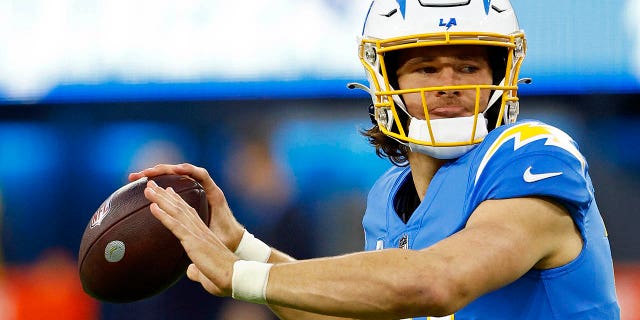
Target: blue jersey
520, 160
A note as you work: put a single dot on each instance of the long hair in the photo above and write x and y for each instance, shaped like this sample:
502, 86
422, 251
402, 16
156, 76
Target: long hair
387, 147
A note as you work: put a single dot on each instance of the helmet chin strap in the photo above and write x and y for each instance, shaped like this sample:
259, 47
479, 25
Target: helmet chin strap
446, 130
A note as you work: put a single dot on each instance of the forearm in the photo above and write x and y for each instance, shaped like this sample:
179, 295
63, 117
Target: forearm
504, 240
316, 279
250, 248
285, 313
363, 285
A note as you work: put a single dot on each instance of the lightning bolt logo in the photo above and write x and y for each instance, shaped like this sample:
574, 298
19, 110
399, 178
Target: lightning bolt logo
526, 133
403, 6
487, 6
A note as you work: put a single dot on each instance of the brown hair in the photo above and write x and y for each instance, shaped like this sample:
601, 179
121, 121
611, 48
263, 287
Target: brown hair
387, 147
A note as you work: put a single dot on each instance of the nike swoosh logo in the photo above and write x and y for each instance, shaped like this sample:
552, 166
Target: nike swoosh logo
533, 177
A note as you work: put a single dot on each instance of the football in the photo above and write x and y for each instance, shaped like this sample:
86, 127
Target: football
126, 254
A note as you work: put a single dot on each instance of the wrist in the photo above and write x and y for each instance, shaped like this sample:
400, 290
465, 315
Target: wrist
249, 281
235, 237
251, 248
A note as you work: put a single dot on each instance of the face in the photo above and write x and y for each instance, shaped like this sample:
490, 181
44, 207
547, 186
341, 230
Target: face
444, 66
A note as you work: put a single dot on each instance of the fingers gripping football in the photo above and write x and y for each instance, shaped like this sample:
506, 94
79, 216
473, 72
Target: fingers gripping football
213, 260
223, 223
214, 193
167, 208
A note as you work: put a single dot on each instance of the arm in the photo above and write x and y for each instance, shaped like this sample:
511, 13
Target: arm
503, 239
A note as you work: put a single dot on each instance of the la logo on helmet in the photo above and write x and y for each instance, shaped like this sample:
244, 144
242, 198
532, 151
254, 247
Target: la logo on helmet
452, 22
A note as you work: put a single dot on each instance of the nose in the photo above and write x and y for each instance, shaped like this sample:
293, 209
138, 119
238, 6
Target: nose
441, 93
448, 77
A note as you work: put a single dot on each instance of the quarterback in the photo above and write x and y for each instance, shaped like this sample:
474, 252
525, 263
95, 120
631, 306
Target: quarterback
479, 217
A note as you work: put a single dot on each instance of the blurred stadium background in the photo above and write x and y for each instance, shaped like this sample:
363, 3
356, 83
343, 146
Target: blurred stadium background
255, 92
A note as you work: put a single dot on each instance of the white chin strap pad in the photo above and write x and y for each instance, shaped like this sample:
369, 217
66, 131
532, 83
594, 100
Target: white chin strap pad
449, 130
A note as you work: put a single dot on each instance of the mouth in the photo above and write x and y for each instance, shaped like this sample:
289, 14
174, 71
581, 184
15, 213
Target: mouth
453, 111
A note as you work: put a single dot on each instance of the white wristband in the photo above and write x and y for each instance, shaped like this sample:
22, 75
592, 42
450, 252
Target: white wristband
252, 248
249, 281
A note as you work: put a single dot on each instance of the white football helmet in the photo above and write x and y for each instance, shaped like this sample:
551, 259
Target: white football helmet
401, 24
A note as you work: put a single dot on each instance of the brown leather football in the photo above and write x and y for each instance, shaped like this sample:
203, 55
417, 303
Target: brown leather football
126, 254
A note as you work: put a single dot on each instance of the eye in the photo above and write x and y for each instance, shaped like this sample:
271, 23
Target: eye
469, 69
428, 69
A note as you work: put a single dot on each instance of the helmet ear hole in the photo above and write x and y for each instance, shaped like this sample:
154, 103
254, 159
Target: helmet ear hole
498, 63
392, 63
492, 113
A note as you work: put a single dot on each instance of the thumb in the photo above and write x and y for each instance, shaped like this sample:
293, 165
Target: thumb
194, 274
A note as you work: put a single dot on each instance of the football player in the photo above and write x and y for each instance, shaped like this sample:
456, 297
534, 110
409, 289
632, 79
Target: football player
480, 216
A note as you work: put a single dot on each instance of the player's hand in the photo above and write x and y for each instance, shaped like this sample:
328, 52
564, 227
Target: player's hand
212, 261
223, 223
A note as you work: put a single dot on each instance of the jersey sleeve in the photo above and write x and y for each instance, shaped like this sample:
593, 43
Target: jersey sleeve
534, 160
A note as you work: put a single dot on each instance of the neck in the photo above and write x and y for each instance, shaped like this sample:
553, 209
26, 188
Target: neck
423, 168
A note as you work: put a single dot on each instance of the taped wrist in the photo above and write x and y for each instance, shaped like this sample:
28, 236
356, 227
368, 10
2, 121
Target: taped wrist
249, 281
252, 248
